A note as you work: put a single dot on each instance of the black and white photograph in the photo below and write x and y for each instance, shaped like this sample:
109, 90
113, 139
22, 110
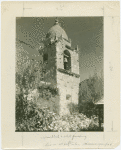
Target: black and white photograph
59, 74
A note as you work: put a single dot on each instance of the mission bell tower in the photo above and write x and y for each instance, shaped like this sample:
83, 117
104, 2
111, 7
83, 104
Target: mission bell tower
61, 65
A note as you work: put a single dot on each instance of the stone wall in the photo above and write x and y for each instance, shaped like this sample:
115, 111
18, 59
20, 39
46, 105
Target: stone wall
49, 67
67, 85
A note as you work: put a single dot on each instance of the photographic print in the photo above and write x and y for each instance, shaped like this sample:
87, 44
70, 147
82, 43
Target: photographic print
59, 74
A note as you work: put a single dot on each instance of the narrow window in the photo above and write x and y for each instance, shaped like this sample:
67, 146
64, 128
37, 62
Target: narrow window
67, 60
68, 97
45, 57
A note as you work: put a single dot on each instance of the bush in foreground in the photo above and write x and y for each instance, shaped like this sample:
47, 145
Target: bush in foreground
36, 118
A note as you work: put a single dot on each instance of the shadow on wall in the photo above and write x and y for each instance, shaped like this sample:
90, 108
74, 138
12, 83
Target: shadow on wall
73, 108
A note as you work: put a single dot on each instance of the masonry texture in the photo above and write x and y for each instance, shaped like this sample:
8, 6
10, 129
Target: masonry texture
61, 66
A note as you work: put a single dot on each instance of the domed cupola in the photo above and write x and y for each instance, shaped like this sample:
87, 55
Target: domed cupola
56, 31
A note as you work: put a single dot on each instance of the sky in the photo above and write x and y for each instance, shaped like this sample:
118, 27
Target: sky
86, 32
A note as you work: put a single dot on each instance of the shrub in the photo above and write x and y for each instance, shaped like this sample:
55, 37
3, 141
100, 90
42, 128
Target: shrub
32, 117
87, 108
31, 99
73, 108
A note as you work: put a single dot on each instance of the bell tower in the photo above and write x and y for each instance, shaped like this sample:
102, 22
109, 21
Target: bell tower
61, 65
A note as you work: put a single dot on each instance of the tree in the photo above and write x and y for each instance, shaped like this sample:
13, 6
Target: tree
90, 91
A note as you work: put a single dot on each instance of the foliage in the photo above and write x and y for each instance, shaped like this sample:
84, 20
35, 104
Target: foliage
30, 110
37, 114
87, 108
37, 106
31, 98
91, 91
32, 115
30, 76
45, 121
73, 108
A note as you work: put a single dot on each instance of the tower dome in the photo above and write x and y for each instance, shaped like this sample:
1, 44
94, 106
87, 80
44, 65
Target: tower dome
56, 31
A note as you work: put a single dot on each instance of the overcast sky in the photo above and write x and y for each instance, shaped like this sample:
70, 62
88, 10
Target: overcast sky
86, 32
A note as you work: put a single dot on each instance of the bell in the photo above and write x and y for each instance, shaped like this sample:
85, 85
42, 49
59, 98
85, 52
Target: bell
65, 59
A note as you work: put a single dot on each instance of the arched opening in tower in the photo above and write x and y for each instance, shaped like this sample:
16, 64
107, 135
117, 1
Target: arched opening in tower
67, 60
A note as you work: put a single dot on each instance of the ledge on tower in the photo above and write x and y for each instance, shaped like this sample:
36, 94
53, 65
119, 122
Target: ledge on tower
68, 72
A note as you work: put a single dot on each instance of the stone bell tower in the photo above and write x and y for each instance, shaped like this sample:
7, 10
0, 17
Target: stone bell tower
61, 65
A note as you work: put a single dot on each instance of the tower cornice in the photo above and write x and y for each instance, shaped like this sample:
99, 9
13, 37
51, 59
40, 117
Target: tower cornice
68, 72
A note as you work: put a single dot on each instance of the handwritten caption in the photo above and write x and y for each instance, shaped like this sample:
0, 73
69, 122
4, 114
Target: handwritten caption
70, 140
72, 137
66, 140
